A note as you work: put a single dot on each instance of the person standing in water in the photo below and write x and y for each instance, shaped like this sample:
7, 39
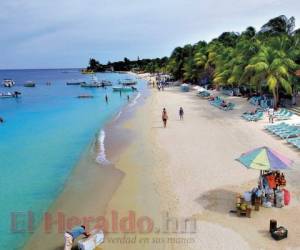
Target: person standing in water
164, 117
128, 98
181, 113
106, 99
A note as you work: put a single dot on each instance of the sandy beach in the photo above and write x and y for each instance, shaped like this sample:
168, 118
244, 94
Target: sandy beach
186, 171
189, 170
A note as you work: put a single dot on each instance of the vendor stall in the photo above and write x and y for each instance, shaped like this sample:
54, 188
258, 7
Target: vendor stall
270, 191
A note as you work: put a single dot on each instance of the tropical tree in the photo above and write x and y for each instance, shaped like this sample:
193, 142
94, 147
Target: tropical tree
279, 25
272, 66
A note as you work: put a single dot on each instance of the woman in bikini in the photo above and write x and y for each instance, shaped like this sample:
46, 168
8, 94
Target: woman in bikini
164, 117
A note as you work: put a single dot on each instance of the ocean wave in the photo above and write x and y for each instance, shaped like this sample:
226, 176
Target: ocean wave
101, 158
118, 116
134, 102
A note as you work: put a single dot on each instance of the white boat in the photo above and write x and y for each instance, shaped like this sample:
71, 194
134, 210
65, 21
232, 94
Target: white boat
9, 95
93, 84
75, 82
8, 83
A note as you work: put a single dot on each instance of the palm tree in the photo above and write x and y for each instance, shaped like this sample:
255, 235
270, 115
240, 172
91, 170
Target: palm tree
273, 66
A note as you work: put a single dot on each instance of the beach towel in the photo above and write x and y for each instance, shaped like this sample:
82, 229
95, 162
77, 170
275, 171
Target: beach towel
271, 181
287, 196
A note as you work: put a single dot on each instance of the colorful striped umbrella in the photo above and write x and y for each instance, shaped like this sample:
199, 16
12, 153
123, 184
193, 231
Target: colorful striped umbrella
264, 158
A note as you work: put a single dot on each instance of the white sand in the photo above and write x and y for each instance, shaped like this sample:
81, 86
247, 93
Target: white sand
188, 170
205, 177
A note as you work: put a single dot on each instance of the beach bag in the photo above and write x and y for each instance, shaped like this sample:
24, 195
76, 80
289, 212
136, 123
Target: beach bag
279, 199
287, 196
94, 240
247, 196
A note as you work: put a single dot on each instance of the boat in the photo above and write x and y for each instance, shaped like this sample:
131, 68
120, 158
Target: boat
106, 83
85, 96
93, 84
8, 83
29, 84
75, 82
128, 82
124, 88
9, 95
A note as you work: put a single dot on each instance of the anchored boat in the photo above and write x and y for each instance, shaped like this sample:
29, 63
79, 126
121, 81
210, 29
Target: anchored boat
85, 96
10, 95
128, 82
8, 83
29, 84
124, 88
106, 83
93, 84
75, 83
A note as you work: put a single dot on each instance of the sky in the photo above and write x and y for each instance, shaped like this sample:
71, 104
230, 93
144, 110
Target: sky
66, 33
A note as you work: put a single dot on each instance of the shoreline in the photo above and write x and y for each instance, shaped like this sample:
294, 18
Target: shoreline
89, 176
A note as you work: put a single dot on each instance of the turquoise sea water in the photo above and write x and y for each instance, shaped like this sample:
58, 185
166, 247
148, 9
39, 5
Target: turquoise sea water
45, 133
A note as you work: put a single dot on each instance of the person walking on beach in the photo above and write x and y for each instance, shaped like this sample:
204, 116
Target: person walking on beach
181, 113
164, 117
271, 114
106, 99
73, 234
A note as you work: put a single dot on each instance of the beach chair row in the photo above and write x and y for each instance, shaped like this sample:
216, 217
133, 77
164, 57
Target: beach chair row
260, 101
204, 94
284, 130
283, 114
253, 117
294, 141
221, 104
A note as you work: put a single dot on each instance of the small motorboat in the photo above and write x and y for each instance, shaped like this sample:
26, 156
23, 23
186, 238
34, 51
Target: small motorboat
128, 82
75, 83
106, 83
93, 84
10, 95
85, 96
124, 88
29, 84
8, 83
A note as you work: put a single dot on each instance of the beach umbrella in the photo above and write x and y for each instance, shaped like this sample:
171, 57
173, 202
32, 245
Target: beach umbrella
264, 158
